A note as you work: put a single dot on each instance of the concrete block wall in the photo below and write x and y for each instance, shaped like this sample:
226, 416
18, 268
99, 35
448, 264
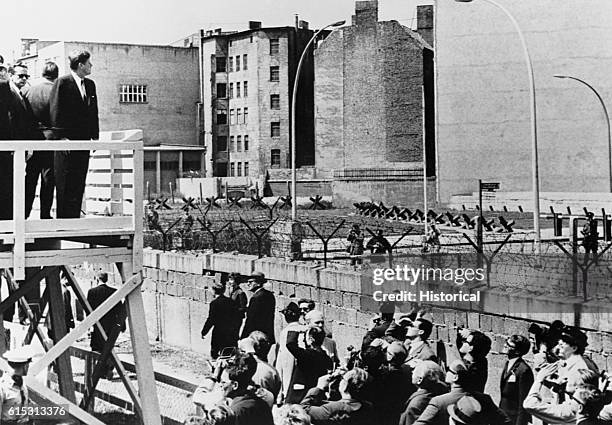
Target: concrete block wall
177, 298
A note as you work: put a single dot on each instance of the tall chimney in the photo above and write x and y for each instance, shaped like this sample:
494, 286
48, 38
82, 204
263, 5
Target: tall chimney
425, 22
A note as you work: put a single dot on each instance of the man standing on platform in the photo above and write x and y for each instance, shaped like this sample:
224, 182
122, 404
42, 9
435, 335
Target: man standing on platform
74, 115
41, 163
260, 314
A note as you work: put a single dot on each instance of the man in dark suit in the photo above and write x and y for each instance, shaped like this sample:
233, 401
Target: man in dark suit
6, 158
416, 342
260, 314
429, 378
41, 163
516, 380
73, 109
114, 320
223, 315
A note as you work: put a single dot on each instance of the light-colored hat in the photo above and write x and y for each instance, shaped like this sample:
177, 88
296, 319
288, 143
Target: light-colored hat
19, 355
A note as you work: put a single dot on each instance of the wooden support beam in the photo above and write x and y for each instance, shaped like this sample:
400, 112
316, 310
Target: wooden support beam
50, 395
142, 352
122, 372
24, 305
24, 288
133, 283
97, 372
57, 310
19, 213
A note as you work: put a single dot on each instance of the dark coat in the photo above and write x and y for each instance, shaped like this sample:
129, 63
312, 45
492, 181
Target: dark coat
436, 412
310, 365
377, 332
251, 410
240, 298
75, 118
417, 403
478, 371
114, 318
514, 387
6, 158
424, 352
223, 317
260, 314
348, 412
70, 115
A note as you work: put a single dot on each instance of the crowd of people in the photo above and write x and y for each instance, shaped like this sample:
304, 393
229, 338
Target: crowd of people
55, 108
395, 377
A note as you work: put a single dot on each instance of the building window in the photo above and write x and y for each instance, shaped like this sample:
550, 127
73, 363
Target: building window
221, 143
237, 63
246, 169
221, 90
274, 73
275, 129
275, 158
238, 143
245, 89
231, 64
231, 91
221, 64
133, 93
221, 116
239, 169
239, 116
231, 169
237, 89
232, 117
275, 101
232, 147
246, 115
246, 143
274, 46
244, 62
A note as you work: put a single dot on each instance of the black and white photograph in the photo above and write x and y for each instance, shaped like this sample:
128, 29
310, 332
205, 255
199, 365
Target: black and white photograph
272, 212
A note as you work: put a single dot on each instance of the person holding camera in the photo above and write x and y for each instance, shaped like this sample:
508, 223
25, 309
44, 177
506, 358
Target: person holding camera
552, 412
350, 409
312, 362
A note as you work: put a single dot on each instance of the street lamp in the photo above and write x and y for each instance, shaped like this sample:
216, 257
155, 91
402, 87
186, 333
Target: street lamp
534, 133
603, 105
293, 101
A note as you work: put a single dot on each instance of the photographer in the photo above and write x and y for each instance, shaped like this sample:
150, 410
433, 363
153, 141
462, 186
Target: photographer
350, 409
554, 413
543, 342
311, 362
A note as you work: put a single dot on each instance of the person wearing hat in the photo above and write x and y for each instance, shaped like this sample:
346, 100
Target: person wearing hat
458, 376
285, 362
467, 411
13, 391
570, 350
236, 294
223, 316
262, 306
395, 384
515, 380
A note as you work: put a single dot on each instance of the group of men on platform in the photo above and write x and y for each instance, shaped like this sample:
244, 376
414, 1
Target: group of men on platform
53, 109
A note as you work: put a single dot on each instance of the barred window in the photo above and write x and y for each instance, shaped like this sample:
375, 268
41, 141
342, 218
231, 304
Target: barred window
238, 143
246, 169
231, 169
245, 89
274, 73
133, 93
238, 89
239, 170
274, 46
275, 129
244, 62
275, 157
246, 142
275, 101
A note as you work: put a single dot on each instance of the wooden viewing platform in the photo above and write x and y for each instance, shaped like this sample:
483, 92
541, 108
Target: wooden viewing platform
34, 250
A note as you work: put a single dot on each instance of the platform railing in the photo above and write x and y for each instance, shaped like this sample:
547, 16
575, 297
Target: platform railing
18, 232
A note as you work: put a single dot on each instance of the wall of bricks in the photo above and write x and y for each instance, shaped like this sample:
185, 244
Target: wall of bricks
176, 294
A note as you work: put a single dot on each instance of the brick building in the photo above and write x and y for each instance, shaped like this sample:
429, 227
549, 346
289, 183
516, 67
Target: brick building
247, 82
373, 86
153, 88
483, 109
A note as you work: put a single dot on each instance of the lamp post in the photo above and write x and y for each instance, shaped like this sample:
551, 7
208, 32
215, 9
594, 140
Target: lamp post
605, 110
534, 134
293, 101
